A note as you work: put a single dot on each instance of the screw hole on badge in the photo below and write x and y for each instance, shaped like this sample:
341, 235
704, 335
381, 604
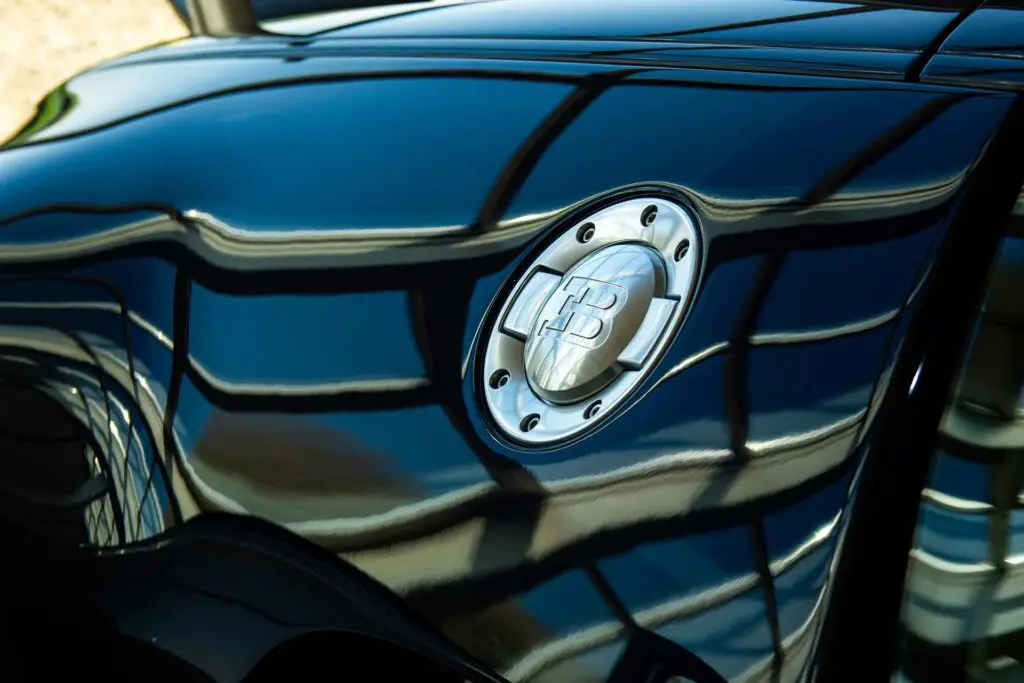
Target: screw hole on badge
592, 410
586, 233
530, 422
649, 215
499, 378
682, 249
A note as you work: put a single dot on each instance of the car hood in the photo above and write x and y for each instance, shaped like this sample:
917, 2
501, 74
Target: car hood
827, 24
785, 36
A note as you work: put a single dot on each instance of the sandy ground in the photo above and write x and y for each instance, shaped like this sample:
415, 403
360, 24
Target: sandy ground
44, 42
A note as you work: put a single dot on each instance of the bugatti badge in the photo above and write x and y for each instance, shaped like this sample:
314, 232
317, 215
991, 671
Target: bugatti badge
589, 319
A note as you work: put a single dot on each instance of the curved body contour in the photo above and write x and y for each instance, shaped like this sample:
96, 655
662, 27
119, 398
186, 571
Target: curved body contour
257, 270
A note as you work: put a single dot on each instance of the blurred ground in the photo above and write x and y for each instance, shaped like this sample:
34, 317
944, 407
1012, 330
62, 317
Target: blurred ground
44, 42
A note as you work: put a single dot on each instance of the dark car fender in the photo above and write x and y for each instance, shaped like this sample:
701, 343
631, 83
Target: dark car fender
271, 279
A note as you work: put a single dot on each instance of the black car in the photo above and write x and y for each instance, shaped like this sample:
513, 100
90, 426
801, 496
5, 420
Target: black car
522, 340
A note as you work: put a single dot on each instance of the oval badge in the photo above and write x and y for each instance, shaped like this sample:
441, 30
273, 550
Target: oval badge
590, 319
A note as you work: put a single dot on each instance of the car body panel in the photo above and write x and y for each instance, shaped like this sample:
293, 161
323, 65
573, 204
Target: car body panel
985, 49
799, 23
795, 36
265, 291
117, 92
967, 552
992, 30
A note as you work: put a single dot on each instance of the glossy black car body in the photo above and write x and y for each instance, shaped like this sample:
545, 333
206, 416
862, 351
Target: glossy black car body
255, 270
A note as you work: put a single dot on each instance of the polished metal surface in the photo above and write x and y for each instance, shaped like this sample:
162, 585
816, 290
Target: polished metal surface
639, 350
527, 303
591, 318
587, 323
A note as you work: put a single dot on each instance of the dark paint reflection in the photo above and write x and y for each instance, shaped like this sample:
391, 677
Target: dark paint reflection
995, 30
730, 21
986, 49
962, 602
880, 39
296, 356
997, 72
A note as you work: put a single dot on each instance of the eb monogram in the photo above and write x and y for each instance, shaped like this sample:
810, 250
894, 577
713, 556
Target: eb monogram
584, 318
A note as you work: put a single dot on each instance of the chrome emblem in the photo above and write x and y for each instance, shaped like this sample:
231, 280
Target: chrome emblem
589, 319
580, 318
